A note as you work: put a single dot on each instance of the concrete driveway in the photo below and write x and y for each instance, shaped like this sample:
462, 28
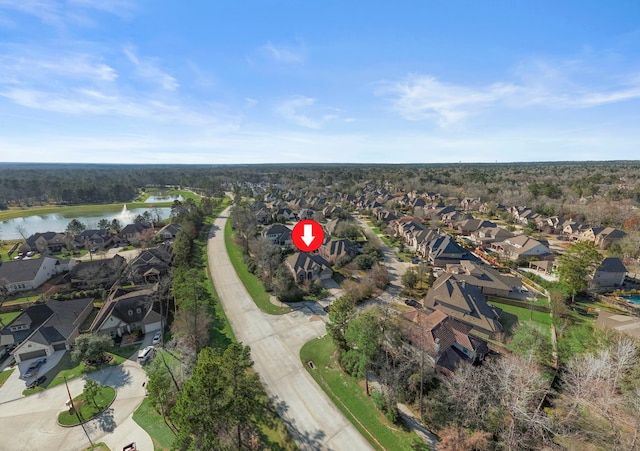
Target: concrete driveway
30, 423
275, 341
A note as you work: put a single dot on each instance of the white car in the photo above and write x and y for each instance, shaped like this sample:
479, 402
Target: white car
145, 354
156, 338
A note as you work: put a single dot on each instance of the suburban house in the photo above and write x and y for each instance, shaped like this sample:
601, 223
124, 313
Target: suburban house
169, 231
443, 339
520, 246
484, 236
544, 266
278, 234
97, 273
127, 311
151, 264
29, 274
603, 237
423, 237
331, 211
134, 233
308, 267
444, 250
471, 225
486, 278
464, 302
306, 213
43, 329
45, 243
610, 273
89, 239
284, 213
334, 249
332, 226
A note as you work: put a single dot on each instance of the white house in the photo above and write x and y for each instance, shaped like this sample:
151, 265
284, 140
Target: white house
29, 274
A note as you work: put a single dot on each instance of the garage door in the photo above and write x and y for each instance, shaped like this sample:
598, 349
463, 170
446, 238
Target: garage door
32, 355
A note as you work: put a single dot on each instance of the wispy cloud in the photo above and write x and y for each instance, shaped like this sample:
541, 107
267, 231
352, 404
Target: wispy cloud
77, 83
285, 54
60, 13
298, 110
148, 68
424, 97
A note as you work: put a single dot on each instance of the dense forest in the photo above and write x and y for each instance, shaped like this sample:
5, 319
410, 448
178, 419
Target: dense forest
600, 193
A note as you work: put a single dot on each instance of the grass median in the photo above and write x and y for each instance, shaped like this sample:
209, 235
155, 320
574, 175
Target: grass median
88, 409
350, 398
251, 283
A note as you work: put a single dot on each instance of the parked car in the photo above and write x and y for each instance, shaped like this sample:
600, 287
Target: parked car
145, 354
34, 367
38, 382
412, 303
31, 253
156, 338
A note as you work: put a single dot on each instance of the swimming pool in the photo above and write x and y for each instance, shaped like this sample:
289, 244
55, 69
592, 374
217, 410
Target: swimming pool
635, 299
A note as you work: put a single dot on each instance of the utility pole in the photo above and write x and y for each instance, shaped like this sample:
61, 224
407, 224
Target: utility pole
80, 420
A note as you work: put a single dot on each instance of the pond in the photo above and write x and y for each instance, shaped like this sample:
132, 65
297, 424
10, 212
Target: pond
635, 299
163, 198
57, 222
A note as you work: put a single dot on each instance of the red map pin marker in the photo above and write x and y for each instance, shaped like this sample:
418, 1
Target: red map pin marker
307, 235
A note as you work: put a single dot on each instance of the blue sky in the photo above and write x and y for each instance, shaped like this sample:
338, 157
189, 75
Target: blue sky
289, 81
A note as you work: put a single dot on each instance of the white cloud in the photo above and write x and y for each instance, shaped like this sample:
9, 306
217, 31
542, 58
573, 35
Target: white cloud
284, 54
424, 97
147, 68
60, 13
26, 66
291, 110
250, 102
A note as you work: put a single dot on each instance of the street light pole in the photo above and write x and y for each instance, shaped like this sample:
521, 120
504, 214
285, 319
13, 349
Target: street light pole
76, 411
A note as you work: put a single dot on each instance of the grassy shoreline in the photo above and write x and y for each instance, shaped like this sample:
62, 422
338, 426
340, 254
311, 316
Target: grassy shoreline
85, 209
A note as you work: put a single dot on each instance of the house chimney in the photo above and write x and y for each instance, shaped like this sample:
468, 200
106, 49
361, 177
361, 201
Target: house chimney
436, 346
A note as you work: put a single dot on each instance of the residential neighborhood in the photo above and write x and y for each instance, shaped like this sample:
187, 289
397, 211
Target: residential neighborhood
450, 285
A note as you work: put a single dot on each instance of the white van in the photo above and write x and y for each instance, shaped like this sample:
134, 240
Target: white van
145, 354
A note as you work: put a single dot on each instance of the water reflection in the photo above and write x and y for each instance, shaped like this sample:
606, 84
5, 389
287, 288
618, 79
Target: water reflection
57, 222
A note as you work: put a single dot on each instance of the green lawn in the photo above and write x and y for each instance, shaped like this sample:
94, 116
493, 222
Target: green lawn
98, 447
5, 375
251, 282
21, 300
66, 367
152, 422
221, 333
511, 316
6, 318
88, 409
350, 398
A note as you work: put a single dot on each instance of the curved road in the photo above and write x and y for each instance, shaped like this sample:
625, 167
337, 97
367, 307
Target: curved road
30, 423
275, 341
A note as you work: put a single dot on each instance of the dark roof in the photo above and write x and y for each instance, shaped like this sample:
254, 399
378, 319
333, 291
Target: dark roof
52, 322
100, 269
21, 270
612, 264
463, 302
132, 229
121, 302
277, 229
444, 246
303, 261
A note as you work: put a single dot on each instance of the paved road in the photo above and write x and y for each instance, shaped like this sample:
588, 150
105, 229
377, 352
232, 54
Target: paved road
30, 423
275, 341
